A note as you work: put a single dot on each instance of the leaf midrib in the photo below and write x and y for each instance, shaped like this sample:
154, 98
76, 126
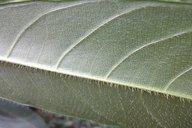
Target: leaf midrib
57, 69
17, 63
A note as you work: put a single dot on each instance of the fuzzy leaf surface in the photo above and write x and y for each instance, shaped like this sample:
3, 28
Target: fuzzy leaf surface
93, 59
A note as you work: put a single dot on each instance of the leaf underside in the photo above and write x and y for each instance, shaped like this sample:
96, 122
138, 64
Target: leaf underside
97, 60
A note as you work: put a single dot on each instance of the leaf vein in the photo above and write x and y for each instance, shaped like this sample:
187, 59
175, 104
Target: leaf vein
176, 77
20, 34
142, 47
89, 33
150, 113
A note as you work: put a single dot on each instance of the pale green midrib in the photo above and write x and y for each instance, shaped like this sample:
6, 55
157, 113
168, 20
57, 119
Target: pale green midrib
47, 68
121, 124
41, 67
95, 78
81, 38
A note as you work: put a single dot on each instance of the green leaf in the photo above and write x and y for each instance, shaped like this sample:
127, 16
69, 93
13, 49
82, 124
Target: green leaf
99, 59
18, 1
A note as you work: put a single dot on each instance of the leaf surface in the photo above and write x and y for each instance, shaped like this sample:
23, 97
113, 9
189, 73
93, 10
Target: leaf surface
82, 58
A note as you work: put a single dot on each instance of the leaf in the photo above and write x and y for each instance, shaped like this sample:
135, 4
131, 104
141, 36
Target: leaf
18, 1
99, 59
